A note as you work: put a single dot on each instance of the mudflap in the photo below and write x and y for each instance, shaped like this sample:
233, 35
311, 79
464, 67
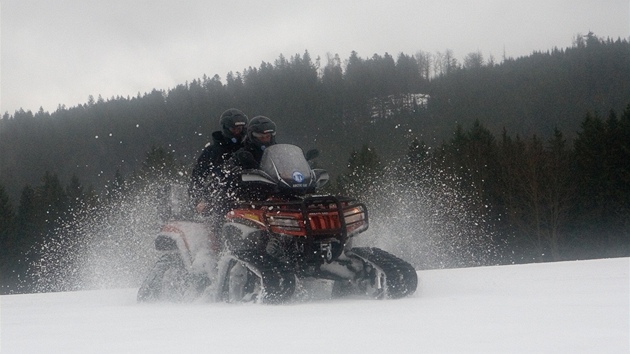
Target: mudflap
252, 276
384, 276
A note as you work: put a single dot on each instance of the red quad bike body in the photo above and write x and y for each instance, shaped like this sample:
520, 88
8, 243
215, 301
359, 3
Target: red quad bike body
279, 233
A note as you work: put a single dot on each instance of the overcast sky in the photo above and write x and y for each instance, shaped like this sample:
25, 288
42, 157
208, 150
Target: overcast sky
62, 51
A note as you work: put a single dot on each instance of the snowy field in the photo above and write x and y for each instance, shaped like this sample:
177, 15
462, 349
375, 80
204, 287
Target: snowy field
568, 307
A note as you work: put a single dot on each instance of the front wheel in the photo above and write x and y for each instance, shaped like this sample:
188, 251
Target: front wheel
384, 275
249, 276
241, 284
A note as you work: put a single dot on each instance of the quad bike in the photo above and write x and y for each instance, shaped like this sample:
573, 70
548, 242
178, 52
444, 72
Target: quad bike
280, 233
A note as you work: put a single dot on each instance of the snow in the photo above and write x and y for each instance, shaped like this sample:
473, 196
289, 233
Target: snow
565, 307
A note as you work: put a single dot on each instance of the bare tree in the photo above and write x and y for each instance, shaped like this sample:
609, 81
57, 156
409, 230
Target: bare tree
450, 63
425, 64
438, 64
537, 191
559, 191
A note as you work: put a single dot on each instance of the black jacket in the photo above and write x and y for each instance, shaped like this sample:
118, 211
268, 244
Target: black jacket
256, 152
210, 165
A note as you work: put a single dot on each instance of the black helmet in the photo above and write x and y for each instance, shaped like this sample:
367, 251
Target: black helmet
261, 125
233, 118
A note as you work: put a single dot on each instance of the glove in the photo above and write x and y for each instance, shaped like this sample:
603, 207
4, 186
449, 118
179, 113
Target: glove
311, 154
245, 159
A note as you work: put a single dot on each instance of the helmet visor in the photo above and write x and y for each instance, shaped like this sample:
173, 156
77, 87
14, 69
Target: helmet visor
263, 135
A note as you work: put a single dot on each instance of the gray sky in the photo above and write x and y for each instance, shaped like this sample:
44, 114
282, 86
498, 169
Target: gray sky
62, 51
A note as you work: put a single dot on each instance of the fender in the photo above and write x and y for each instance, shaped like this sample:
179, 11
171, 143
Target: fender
191, 240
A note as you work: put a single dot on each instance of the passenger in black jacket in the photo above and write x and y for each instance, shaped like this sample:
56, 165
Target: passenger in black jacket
208, 178
261, 133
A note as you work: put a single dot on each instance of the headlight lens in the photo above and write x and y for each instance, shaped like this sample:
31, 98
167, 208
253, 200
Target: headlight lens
282, 224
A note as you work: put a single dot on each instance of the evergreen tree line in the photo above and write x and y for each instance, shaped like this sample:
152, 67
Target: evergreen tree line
43, 240
541, 200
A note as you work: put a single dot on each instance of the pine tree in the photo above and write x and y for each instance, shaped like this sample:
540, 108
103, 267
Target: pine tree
364, 170
560, 191
8, 242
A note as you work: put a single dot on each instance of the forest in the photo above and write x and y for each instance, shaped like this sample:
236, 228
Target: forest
534, 151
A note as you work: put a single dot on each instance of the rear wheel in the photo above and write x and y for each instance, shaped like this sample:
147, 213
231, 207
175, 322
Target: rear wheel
168, 280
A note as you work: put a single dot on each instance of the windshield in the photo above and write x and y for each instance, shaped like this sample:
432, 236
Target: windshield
287, 165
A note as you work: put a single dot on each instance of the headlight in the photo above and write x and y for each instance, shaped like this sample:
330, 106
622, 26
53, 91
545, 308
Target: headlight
287, 222
353, 215
355, 219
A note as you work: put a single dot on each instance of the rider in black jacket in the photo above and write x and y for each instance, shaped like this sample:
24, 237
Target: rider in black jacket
208, 177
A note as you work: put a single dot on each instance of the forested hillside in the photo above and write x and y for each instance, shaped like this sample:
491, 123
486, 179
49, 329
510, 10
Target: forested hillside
537, 146
328, 106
